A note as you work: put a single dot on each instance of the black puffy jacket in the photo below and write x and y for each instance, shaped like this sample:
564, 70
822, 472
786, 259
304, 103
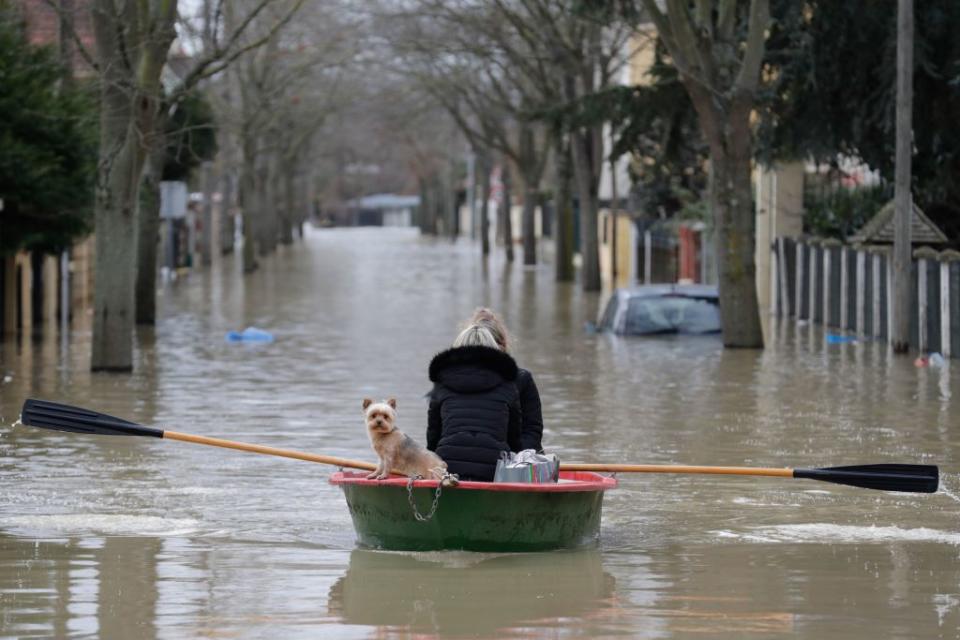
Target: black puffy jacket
474, 410
531, 431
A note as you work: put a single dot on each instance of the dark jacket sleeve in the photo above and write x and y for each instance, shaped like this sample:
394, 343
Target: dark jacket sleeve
532, 429
434, 425
514, 440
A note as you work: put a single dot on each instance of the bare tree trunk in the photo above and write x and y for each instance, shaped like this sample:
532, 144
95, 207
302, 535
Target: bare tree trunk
589, 249
227, 221
530, 195
289, 209
129, 94
530, 190
116, 225
433, 216
720, 66
423, 211
731, 201
900, 331
248, 199
483, 176
275, 201
506, 206
148, 237
266, 199
206, 215
563, 208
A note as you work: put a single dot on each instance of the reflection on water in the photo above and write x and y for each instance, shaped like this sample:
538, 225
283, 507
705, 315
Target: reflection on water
442, 592
131, 537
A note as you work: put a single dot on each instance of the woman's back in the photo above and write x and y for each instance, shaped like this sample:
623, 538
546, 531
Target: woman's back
474, 409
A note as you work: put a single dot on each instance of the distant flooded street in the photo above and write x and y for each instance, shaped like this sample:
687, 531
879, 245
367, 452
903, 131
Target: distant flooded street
137, 538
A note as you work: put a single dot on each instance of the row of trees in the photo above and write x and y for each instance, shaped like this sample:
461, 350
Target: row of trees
531, 84
244, 76
319, 102
524, 79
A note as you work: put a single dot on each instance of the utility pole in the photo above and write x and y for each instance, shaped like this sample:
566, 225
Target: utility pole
900, 333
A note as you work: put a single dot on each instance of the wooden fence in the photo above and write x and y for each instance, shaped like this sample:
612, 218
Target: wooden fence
849, 288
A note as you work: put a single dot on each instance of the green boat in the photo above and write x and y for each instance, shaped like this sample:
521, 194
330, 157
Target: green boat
398, 515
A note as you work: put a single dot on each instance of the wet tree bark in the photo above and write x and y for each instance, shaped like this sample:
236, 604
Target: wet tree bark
531, 187
266, 200
206, 219
288, 211
130, 64
148, 237
731, 203
227, 225
248, 206
719, 63
483, 177
505, 207
563, 208
589, 250
530, 196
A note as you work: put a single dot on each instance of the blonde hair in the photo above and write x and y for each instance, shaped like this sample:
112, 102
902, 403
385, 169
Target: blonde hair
486, 318
476, 335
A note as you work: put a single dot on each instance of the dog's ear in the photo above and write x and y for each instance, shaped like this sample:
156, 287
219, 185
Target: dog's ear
392, 402
366, 403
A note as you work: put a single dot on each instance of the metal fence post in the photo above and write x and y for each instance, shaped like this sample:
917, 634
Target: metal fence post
647, 257
945, 309
784, 277
799, 279
889, 262
861, 278
825, 314
876, 296
813, 283
922, 305
844, 294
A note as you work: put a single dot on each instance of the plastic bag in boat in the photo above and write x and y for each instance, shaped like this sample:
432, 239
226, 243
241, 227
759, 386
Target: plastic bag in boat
527, 466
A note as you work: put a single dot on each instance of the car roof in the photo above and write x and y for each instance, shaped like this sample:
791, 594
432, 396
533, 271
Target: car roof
655, 290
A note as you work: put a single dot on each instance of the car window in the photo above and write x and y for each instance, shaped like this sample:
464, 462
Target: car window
672, 315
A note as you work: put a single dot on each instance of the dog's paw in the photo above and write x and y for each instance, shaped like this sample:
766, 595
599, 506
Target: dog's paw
371, 475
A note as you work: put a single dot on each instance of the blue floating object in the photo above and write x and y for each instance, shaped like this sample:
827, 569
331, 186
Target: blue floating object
833, 338
250, 334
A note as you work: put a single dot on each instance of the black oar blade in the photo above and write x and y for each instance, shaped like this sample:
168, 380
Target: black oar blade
63, 417
909, 478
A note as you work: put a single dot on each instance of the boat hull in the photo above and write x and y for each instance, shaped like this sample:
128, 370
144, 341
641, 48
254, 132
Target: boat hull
476, 516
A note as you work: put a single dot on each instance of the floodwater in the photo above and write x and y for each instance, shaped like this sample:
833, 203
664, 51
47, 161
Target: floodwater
143, 538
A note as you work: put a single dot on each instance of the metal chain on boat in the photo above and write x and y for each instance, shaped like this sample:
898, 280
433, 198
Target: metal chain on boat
436, 499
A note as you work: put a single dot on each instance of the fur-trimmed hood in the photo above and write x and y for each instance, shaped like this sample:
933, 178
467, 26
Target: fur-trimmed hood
472, 369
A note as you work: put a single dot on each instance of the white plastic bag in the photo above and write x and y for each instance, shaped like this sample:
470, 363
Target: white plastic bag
527, 466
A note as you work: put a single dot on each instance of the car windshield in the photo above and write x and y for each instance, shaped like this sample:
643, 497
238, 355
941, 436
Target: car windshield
673, 314
606, 322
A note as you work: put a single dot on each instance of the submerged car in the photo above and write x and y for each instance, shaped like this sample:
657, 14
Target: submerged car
662, 308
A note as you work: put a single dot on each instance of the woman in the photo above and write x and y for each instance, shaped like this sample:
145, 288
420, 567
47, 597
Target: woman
474, 410
531, 430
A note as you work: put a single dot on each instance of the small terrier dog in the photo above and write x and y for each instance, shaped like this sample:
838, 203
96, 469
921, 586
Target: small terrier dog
396, 450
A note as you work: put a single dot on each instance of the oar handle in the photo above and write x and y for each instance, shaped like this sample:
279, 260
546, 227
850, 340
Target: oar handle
271, 451
669, 468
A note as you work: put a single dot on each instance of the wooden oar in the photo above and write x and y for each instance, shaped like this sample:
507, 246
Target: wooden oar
63, 417
909, 478
913, 478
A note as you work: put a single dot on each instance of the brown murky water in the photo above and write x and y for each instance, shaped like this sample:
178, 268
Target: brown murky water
136, 538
